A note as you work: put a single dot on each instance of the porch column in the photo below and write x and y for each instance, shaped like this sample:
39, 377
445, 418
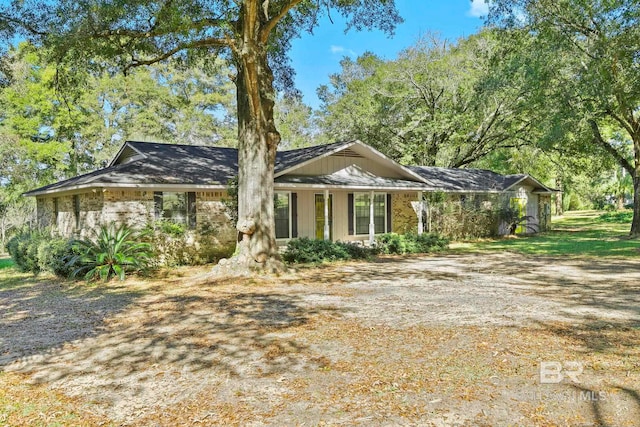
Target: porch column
372, 224
420, 209
327, 234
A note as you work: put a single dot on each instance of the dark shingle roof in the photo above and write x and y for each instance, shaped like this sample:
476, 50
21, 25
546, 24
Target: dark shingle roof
352, 176
189, 165
290, 158
175, 164
471, 180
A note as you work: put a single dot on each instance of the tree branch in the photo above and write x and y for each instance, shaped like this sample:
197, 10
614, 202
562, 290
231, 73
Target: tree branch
271, 23
622, 161
192, 45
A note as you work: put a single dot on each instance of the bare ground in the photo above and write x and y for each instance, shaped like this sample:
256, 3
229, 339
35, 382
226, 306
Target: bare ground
435, 341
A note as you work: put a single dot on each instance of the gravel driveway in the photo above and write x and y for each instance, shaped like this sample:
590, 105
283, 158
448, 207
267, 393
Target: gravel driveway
434, 340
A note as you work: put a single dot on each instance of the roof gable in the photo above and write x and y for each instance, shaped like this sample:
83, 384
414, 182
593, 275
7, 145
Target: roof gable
352, 163
349, 153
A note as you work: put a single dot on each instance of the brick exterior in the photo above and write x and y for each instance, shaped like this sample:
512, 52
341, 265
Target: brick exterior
404, 217
210, 212
65, 220
132, 207
544, 212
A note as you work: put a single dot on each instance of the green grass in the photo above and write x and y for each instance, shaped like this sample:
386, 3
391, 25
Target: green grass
6, 263
580, 233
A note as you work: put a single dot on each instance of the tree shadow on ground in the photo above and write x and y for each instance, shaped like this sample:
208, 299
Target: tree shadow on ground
40, 316
608, 406
175, 339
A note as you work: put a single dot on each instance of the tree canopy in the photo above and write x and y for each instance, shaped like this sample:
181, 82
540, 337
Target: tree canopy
594, 79
439, 103
253, 35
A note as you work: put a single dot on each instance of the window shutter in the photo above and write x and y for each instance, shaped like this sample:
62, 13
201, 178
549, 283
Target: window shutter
350, 213
191, 209
157, 204
388, 213
294, 215
76, 210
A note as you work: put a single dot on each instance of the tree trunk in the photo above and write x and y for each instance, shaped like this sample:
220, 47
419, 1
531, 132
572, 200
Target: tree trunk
635, 223
558, 197
257, 143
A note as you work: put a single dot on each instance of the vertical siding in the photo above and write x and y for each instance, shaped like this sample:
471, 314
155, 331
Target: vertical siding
306, 221
532, 212
331, 164
404, 218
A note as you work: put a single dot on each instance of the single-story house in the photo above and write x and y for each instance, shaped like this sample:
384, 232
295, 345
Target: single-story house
343, 191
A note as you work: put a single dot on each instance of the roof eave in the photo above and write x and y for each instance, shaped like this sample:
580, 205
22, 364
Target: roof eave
537, 183
119, 153
129, 186
313, 159
287, 185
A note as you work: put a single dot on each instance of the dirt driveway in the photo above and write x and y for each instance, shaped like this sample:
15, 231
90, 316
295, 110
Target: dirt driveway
435, 341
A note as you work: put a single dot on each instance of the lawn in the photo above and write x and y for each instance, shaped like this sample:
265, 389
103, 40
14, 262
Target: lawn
452, 339
5, 263
576, 234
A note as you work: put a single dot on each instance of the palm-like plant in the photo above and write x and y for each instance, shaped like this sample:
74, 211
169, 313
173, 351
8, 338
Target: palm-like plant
113, 252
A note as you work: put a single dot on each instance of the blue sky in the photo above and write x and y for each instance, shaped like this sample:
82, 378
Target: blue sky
315, 57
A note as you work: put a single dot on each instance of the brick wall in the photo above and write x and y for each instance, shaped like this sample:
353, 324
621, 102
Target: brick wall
404, 218
211, 212
131, 207
65, 221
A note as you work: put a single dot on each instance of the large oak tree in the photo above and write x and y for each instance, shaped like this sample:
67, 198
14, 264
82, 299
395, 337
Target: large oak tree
254, 35
593, 72
438, 104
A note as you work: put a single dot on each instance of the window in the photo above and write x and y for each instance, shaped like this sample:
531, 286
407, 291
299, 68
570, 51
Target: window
176, 207
282, 215
362, 212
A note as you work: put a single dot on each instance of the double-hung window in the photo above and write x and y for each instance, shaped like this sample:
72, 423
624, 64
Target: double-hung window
285, 206
362, 212
176, 207
282, 208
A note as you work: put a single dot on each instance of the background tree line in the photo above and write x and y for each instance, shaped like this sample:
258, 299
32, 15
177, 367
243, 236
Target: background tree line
48, 133
548, 88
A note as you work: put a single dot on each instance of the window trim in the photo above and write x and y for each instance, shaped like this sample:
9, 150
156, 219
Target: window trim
355, 220
158, 207
290, 232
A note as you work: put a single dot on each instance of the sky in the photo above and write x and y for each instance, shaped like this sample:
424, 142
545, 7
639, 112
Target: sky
315, 57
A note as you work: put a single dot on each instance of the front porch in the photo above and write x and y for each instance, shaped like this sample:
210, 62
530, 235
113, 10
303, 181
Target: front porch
345, 214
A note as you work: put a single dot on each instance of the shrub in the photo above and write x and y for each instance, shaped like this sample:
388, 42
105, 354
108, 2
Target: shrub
23, 249
173, 245
622, 217
474, 217
305, 250
392, 243
113, 252
35, 251
55, 254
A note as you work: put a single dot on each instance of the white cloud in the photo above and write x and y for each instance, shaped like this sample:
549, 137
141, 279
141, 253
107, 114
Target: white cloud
479, 8
341, 50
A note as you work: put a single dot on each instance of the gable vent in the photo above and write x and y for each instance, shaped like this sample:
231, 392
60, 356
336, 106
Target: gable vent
347, 153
